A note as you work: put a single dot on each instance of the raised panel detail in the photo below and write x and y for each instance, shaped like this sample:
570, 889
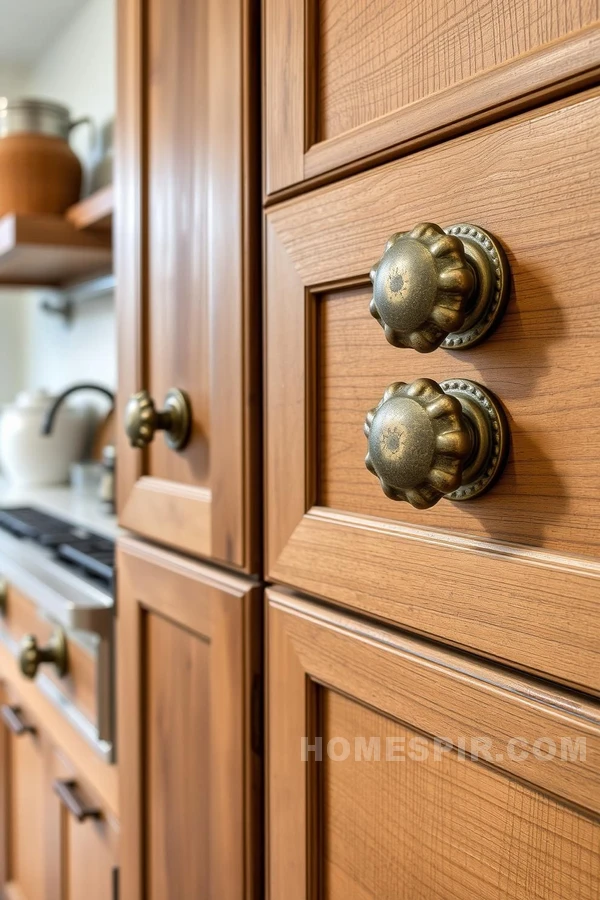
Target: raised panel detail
177, 673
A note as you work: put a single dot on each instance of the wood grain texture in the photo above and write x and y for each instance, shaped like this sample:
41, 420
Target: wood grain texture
361, 681
444, 828
177, 668
377, 58
389, 75
319, 249
193, 320
187, 665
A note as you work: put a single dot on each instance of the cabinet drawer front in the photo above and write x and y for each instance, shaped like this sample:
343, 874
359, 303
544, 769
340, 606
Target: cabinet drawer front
347, 80
514, 573
391, 764
188, 660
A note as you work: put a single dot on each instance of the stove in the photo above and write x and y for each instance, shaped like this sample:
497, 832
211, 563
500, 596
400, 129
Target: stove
92, 555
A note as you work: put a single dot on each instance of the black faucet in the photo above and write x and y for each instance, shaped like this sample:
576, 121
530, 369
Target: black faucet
48, 421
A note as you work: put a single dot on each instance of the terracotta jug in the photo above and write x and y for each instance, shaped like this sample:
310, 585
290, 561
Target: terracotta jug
39, 172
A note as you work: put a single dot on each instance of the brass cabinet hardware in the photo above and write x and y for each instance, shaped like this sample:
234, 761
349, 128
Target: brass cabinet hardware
67, 793
13, 719
435, 286
31, 657
143, 420
427, 441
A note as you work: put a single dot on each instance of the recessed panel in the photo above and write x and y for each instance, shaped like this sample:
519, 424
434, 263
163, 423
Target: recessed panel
402, 818
547, 494
378, 57
177, 762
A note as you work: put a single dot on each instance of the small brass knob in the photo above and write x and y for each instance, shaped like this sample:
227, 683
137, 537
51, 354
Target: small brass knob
143, 420
437, 287
32, 657
427, 441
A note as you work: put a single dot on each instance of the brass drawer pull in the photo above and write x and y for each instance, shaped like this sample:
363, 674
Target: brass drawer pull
67, 793
13, 719
31, 657
143, 420
427, 441
435, 286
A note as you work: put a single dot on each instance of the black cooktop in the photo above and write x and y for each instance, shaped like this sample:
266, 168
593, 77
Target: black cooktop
75, 547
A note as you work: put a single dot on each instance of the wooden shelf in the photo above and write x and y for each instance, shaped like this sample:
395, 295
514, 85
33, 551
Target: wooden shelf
95, 213
51, 251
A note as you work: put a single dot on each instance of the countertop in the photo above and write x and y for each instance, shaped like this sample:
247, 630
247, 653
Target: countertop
80, 507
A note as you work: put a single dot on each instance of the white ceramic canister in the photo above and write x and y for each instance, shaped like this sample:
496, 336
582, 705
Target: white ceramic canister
29, 458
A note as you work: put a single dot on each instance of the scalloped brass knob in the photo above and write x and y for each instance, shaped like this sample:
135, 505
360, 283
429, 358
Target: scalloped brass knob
437, 287
143, 420
31, 657
427, 441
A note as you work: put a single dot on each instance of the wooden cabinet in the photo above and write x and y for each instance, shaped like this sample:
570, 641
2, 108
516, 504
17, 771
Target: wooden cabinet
398, 770
58, 840
348, 84
24, 799
490, 574
189, 729
188, 270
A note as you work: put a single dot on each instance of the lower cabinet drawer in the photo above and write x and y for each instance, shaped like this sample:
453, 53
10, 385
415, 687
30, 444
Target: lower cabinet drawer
58, 841
189, 728
397, 769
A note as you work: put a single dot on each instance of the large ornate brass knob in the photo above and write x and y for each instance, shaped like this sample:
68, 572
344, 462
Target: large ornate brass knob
428, 441
437, 287
143, 420
31, 657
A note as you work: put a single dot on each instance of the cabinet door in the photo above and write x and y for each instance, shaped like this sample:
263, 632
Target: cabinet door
347, 81
189, 729
397, 770
24, 794
82, 838
490, 573
188, 263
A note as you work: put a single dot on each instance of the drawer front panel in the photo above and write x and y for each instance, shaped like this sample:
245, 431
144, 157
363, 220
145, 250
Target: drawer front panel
490, 573
346, 80
376, 744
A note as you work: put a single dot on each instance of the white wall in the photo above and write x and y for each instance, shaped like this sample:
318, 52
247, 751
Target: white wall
77, 69
13, 80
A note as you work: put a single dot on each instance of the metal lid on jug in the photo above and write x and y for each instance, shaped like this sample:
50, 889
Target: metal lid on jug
33, 116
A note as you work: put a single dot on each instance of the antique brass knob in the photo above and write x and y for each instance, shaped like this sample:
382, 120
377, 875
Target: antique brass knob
437, 287
32, 657
143, 420
428, 441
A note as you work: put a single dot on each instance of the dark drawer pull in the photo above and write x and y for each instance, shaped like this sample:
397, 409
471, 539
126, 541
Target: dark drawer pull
67, 792
12, 718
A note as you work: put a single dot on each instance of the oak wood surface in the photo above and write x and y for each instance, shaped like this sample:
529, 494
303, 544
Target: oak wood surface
329, 528
49, 250
187, 254
188, 661
442, 824
346, 81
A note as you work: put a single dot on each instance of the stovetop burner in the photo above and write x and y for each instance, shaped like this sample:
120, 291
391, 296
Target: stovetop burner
75, 547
